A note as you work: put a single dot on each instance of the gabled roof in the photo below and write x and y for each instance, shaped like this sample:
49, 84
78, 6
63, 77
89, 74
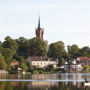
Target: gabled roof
37, 58
16, 63
83, 58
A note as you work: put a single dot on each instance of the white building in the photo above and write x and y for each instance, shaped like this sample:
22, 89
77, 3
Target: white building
42, 62
72, 65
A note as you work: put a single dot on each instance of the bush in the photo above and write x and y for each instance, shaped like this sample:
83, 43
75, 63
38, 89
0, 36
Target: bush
35, 72
41, 71
86, 68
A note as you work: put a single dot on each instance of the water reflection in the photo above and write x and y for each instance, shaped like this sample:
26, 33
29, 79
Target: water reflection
47, 86
44, 85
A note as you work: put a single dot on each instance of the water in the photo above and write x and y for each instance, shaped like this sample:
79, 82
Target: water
64, 81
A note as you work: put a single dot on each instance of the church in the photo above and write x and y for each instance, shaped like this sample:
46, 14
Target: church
39, 31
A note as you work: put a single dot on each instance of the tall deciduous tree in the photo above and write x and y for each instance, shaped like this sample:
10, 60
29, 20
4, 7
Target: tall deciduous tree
10, 43
57, 51
38, 47
2, 62
74, 51
7, 54
85, 51
23, 47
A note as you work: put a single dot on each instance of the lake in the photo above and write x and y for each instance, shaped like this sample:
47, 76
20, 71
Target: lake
63, 81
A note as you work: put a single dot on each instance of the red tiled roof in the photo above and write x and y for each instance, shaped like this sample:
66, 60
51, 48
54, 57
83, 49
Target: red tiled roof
83, 58
15, 63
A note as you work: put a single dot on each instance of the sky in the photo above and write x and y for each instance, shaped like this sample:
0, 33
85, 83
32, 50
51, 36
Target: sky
62, 20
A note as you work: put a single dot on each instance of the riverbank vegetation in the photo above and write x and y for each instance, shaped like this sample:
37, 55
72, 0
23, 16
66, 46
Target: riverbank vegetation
20, 49
86, 69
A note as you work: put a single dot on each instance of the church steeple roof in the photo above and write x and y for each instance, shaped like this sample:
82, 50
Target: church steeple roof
39, 30
39, 23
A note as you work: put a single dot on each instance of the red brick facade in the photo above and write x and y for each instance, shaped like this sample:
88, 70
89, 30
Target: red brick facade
39, 31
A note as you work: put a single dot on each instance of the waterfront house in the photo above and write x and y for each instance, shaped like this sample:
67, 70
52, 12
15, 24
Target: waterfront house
3, 72
76, 64
72, 65
42, 62
83, 60
15, 63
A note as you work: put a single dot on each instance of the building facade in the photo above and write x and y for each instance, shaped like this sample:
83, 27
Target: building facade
72, 65
83, 60
42, 62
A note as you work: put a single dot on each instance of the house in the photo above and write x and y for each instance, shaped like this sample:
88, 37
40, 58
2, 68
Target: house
76, 64
41, 62
15, 63
3, 72
72, 65
83, 60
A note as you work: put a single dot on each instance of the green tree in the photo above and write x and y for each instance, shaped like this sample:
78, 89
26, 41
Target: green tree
10, 43
0, 45
23, 66
2, 63
8, 54
19, 58
86, 68
38, 47
85, 51
73, 51
23, 47
57, 51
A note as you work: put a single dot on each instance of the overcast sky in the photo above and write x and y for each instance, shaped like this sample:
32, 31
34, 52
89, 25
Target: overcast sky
63, 20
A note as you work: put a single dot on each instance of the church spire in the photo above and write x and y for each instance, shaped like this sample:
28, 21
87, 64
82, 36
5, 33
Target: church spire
39, 23
39, 30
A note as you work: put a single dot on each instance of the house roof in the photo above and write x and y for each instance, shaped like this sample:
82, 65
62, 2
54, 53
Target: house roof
83, 58
16, 63
40, 58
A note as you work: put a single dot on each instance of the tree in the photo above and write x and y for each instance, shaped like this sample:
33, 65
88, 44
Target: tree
2, 63
10, 43
19, 58
73, 51
85, 51
7, 54
0, 45
23, 47
86, 68
38, 47
23, 66
57, 51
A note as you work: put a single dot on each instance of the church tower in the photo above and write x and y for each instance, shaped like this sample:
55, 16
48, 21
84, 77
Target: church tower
39, 30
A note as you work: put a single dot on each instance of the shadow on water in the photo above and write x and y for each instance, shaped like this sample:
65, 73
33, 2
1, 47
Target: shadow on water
43, 82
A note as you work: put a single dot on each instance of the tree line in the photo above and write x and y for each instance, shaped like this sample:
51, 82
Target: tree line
20, 49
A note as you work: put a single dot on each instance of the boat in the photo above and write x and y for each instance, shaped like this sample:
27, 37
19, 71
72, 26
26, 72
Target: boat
86, 83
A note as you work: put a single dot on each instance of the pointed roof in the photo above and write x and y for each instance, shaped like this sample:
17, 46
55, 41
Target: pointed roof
39, 23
